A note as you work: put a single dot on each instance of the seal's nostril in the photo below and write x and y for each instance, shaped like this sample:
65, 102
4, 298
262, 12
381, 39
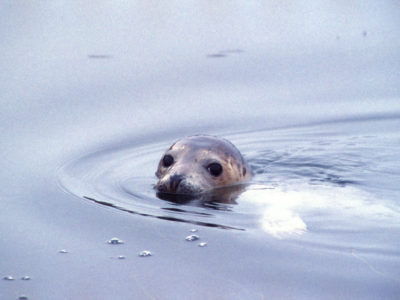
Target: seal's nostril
174, 181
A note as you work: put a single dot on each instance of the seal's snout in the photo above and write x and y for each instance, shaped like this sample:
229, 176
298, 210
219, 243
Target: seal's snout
174, 182
177, 184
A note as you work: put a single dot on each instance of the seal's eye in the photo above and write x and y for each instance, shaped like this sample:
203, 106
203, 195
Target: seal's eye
167, 160
215, 169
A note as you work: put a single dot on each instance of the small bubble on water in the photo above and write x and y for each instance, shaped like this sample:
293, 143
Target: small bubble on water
192, 237
121, 257
23, 297
203, 244
115, 241
26, 277
62, 251
194, 230
145, 253
9, 278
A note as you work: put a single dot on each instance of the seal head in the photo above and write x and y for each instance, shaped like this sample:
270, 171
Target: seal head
200, 163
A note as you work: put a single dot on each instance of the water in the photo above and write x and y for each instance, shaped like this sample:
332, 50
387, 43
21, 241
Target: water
115, 241
145, 253
192, 237
91, 96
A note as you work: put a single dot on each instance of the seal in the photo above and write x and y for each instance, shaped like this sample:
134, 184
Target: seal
200, 163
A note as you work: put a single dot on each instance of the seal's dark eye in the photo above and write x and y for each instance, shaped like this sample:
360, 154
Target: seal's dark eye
167, 160
215, 169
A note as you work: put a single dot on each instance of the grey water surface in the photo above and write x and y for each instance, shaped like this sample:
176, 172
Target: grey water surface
91, 94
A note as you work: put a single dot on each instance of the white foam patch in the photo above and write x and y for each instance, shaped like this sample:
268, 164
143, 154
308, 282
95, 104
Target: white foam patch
284, 210
280, 222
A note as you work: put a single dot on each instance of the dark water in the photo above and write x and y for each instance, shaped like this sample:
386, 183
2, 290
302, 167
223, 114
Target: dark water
91, 96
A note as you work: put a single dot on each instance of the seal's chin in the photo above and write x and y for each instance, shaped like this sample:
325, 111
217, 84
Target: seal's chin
209, 198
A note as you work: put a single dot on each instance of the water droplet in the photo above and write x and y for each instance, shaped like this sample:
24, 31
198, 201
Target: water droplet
203, 244
115, 241
9, 278
192, 237
145, 253
194, 230
62, 251
23, 297
26, 277
121, 257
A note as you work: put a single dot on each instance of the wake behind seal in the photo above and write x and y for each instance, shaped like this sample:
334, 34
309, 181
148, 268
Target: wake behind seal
200, 163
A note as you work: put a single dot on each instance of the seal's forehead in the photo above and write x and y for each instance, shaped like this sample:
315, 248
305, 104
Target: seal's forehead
205, 142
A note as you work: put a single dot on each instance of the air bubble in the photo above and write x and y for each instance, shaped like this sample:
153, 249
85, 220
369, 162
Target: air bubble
203, 244
192, 237
145, 253
23, 297
121, 257
115, 241
9, 278
194, 230
26, 277
62, 251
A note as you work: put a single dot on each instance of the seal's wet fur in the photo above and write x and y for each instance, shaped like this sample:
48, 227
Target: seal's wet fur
195, 167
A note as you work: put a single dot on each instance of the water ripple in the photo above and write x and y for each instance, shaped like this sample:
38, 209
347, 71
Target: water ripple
305, 177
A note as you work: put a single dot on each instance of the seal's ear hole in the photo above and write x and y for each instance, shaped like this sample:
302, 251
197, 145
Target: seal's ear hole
167, 160
215, 169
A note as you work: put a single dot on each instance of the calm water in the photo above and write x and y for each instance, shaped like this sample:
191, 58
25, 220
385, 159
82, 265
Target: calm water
91, 96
